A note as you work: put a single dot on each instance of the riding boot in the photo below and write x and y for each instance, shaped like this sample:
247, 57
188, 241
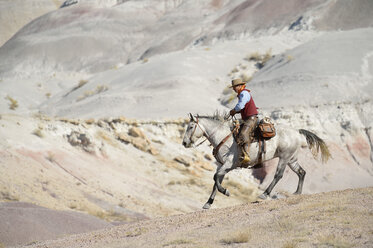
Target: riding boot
245, 158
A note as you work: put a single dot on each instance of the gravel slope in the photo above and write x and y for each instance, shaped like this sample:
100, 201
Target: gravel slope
334, 219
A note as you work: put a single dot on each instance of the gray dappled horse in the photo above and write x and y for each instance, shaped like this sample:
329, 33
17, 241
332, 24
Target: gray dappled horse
284, 146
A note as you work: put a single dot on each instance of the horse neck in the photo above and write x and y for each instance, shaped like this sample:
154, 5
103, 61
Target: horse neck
215, 130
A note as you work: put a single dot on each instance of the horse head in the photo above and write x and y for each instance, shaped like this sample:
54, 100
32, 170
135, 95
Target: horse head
193, 131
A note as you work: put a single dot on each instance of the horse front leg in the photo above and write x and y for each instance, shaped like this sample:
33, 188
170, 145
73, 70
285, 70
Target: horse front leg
219, 176
212, 196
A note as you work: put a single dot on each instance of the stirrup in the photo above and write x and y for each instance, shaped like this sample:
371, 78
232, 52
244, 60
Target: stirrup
245, 158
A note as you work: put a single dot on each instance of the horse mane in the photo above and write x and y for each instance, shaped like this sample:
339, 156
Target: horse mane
217, 116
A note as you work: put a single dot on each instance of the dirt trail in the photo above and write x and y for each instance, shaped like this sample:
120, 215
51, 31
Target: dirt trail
334, 219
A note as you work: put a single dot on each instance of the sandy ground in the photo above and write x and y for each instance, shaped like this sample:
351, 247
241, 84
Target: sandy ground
334, 219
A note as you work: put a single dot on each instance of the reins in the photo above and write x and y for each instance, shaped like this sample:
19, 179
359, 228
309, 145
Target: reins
217, 148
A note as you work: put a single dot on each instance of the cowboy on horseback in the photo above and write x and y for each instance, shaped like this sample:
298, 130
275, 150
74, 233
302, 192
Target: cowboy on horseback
249, 112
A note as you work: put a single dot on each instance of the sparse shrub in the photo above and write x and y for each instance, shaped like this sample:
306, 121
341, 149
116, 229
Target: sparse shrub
289, 58
245, 77
177, 242
38, 133
267, 56
81, 83
333, 241
234, 70
290, 244
259, 58
50, 157
254, 57
13, 104
145, 60
48, 95
237, 237
99, 89
136, 232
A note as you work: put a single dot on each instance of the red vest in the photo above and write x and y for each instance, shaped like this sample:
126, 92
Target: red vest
249, 109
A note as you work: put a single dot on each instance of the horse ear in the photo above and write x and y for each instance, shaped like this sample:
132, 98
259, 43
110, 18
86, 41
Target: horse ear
191, 117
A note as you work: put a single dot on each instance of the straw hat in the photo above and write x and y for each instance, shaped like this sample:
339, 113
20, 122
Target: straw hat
236, 82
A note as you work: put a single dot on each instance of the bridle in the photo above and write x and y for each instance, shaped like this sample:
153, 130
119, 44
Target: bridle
216, 149
203, 132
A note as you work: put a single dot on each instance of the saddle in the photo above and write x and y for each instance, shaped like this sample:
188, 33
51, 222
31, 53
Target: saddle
264, 130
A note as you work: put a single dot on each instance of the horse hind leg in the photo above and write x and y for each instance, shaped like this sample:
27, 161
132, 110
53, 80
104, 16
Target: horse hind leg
294, 166
278, 175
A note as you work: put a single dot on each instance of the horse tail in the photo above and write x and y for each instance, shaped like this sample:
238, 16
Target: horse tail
316, 144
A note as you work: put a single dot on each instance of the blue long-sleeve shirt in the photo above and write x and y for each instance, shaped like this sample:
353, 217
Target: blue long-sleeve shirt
243, 98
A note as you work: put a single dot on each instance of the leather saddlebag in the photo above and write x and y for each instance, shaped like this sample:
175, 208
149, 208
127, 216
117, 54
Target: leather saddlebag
267, 130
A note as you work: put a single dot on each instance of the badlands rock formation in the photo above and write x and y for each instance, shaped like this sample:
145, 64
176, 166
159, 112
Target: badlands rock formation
94, 96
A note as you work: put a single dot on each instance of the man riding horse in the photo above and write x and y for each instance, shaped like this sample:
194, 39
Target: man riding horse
249, 112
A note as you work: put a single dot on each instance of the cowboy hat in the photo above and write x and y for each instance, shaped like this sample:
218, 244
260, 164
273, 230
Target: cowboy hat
236, 82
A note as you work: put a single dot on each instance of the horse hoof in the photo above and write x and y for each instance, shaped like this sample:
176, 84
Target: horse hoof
263, 196
227, 193
207, 206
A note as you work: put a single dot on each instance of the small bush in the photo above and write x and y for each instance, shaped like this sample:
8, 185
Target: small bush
333, 241
99, 89
13, 103
81, 83
290, 244
245, 77
178, 242
237, 237
38, 133
267, 56
50, 157
254, 57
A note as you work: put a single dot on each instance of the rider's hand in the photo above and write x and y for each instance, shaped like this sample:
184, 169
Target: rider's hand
232, 112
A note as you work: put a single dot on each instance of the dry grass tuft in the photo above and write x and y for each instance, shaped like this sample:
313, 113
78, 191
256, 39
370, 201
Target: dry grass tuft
245, 77
254, 57
38, 133
333, 241
237, 237
177, 242
99, 89
136, 232
81, 83
51, 157
290, 244
13, 103
260, 59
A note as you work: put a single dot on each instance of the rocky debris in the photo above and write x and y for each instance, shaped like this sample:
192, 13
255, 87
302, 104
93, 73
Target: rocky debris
186, 161
195, 162
136, 132
205, 165
138, 139
82, 140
